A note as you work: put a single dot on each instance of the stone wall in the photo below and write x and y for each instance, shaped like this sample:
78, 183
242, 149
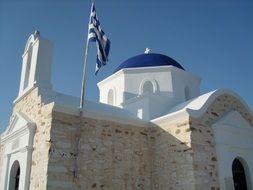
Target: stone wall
111, 155
204, 156
32, 106
172, 162
222, 105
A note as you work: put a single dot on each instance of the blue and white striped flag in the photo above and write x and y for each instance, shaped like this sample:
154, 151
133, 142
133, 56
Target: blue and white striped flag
98, 35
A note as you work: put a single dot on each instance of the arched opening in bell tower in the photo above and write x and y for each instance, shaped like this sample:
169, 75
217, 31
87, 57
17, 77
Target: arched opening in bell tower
28, 66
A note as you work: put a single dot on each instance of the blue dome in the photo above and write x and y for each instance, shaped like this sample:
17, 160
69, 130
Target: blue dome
148, 60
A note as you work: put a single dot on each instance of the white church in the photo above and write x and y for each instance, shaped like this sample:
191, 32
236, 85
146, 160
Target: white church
151, 130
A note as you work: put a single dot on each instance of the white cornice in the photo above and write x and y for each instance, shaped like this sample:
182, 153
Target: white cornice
28, 128
22, 149
167, 68
111, 77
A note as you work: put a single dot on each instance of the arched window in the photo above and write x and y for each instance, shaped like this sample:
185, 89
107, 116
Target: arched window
187, 92
239, 176
110, 97
147, 87
28, 66
14, 176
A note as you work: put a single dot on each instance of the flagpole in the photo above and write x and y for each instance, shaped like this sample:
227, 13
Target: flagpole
77, 136
85, 65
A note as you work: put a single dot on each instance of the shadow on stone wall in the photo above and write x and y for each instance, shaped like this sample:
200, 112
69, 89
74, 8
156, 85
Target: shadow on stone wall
172, 157
116, 156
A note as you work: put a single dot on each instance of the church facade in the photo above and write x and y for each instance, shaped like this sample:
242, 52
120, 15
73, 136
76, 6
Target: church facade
151, 130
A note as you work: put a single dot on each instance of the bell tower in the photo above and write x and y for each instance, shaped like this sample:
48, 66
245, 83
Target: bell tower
36, 65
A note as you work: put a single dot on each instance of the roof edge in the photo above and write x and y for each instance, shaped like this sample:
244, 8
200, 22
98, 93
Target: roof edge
198, 106
101, 111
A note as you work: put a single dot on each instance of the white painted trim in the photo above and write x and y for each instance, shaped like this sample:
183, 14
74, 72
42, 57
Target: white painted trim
18, 115
102, 115
32, 39
171, 117
24, 93
111, 77
29, 127
154, 84
197, 107
22, 149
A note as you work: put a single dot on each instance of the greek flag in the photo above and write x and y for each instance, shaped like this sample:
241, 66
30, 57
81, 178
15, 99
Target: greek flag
96, 34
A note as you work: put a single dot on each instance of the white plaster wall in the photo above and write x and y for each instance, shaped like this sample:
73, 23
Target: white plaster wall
44, 62
181, 79
134, 78
170, 82
139, 108
226, 155
148, 106
233, 138
115, 82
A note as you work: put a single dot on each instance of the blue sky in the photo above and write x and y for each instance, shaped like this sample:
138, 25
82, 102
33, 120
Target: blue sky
211, 38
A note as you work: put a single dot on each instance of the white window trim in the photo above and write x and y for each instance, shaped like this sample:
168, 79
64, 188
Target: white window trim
154, 83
